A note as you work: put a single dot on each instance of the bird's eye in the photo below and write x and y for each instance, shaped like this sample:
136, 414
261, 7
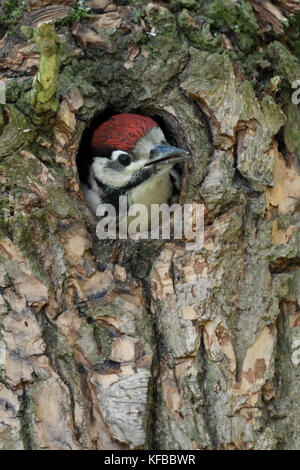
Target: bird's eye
124, 159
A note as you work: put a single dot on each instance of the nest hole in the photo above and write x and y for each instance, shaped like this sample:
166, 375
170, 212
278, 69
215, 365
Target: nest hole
170, 127
138, 257
83, 155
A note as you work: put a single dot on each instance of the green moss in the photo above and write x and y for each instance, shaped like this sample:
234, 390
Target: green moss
16, 133
291, 130
239, 18
22, 229
293, 34
72, 75
43, 96
12, 90
2, 120
294, 285
137, 13
253, 65
168, 51
13, 10
103, 341
163, 25
20, 172
177, 5
285, 63
60, 204
79, 11
197, 30
188, 3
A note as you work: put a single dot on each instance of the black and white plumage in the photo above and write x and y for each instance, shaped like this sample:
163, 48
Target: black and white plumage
131, 157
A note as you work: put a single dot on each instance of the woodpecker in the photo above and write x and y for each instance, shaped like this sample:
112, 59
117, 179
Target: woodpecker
129, 156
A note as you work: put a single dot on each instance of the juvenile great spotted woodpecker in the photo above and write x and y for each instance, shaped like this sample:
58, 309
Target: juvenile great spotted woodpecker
129, 156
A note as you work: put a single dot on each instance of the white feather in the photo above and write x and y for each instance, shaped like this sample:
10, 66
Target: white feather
92, 199
114, 177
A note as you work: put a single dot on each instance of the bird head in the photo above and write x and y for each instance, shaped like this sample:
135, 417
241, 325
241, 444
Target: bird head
127, 150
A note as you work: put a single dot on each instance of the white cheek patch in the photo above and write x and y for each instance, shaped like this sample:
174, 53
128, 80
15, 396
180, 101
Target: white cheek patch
98, 167
134, 167
114, 177
107, 175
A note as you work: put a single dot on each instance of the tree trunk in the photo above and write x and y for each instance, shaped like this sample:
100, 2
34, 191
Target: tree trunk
126, 345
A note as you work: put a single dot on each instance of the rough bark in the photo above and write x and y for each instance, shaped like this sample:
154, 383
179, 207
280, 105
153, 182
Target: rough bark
127, 345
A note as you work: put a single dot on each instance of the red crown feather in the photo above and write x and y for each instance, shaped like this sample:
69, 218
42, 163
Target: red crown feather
122, 131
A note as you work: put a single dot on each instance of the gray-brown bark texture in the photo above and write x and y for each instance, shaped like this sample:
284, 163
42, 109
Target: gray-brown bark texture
126, 345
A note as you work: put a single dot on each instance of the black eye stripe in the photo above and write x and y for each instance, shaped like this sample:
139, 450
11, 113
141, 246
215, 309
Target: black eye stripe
124, 159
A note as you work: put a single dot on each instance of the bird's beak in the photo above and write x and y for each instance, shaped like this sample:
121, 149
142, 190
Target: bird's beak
167, 155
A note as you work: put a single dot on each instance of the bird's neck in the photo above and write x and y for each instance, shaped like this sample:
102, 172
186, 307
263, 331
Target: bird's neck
155, 190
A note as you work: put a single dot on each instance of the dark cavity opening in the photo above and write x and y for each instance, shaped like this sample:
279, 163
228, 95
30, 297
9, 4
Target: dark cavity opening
83, 158
174, 135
